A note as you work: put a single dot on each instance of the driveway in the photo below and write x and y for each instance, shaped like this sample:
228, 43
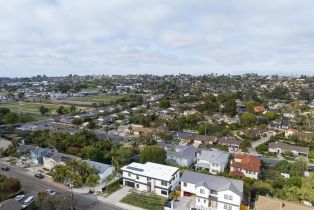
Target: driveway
115, 197
263, 139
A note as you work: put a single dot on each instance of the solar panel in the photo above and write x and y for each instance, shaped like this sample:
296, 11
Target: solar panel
135, 169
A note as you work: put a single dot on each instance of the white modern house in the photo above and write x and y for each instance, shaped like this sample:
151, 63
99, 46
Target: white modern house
151, 177
211, 192
212, 161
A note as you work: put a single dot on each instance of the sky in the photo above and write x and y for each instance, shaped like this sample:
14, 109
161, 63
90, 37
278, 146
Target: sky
61, 37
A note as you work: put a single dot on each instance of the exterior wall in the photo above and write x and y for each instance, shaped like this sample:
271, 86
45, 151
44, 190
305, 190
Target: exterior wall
141, 183
235, 202
49, 163
252, 175
189, 188
103, 176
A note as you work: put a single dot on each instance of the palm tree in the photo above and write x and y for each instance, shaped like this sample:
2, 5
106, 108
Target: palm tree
92, 180
43, 111
116, 157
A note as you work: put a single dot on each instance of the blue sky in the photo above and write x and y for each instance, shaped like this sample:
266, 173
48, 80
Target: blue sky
59, 37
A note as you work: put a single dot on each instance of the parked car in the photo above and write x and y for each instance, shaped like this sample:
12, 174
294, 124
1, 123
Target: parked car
51, 192
5, 168
39, 175
19, 197
28, 202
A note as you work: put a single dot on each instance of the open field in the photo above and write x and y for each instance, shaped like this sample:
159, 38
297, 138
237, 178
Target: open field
32, 108
98, 98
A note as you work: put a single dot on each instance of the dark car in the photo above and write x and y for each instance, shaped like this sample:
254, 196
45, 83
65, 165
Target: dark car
39, 175
5, 168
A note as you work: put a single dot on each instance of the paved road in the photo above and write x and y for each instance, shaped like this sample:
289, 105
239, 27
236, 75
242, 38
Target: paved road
33, 185
263, 139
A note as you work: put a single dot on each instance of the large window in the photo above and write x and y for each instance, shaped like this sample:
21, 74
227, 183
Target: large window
137, 186
228, 197
137, 177
202, 191
129, 174
163, 183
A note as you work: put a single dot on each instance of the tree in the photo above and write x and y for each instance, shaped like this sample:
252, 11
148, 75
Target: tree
270, 115
11, 118
116, 157
299, 166
230, 107
153, 154
164, 103
43, 110
72, 109
4, 111
245, 144
249, 105
248, 119
92, 180
62, 110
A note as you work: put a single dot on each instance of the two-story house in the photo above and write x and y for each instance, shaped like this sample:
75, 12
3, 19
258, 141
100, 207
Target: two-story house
182, 155
245, 165
151, 177
212, 192
212, 161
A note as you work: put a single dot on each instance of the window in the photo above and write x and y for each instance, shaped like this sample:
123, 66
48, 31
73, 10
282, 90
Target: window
148, 179
228, 197
163, 183
198, 200
137, 186
137, 177
213, 192
164, 192
202, 191
227, 207
204, 201
129, 174
184, 184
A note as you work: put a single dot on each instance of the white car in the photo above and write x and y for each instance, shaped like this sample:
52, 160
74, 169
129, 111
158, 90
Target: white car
19, 197
51, 192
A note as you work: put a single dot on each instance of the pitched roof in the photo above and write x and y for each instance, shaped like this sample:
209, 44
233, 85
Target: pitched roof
266, 203
100, 167
288, 147
217, 183
248, 162
214, 156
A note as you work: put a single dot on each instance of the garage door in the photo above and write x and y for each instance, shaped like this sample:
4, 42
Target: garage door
129, 184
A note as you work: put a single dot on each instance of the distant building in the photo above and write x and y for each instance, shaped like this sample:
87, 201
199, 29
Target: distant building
280, 147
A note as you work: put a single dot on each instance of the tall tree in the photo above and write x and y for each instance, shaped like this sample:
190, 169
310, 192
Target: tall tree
153, 154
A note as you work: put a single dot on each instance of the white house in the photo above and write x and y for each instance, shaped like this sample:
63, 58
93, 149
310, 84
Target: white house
101, 169
212, 192
213, 161
151, 177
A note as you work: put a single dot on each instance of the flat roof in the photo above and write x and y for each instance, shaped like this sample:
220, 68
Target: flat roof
153, 170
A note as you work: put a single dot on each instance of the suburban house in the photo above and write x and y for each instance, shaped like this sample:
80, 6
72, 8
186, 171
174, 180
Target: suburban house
151, 177
232, 143
182, 155
37, 154
259, 108
185, 137
52, 159
24, 148
244, 165
204, 139
101, 169
212, 161
280, 147
212, 192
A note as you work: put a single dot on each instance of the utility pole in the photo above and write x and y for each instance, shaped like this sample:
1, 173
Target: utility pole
72, 196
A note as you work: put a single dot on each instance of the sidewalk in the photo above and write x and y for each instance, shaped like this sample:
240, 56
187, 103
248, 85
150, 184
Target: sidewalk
115, 197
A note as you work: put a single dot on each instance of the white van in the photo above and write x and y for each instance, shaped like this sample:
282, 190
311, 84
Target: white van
28, 202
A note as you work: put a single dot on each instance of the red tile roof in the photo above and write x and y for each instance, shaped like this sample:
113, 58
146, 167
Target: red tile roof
248, 162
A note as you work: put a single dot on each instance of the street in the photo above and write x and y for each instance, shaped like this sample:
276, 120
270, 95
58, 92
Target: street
33, 185
263, 139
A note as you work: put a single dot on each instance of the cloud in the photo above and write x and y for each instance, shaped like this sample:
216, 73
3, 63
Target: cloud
59, 37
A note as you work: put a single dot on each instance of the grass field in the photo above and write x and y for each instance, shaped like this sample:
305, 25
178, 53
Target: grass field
97, 99
32, 108
151, 202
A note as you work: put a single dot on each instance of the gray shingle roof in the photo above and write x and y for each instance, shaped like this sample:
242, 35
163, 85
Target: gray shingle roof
217, 183
214, 156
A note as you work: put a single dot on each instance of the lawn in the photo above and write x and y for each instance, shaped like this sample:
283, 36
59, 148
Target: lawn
111, 188
32, 108
151, 202
98, 98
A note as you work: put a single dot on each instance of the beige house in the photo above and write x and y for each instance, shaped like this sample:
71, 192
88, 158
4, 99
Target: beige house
4, 144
